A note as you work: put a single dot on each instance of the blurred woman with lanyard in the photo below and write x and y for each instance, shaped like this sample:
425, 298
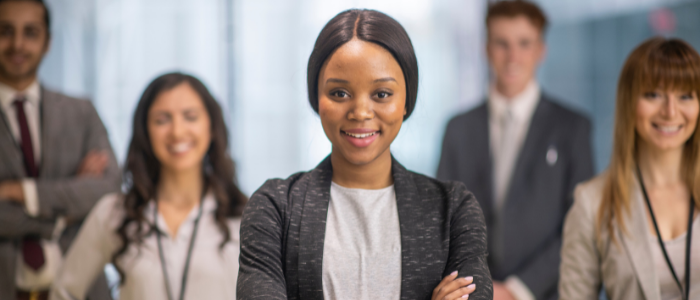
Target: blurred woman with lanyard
634, 229
174, 234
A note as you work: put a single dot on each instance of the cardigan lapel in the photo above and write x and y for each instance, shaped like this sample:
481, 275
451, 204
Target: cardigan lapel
636, 243
413, 244
312, 231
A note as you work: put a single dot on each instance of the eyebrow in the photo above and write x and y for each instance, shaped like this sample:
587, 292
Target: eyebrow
336, 80
385, 79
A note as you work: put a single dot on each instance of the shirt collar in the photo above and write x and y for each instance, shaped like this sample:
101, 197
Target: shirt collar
9, 94
522, 106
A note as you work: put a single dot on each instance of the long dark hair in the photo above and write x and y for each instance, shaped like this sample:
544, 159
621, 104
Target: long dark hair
369, 26
142, 170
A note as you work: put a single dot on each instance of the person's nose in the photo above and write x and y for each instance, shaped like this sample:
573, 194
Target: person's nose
178, 128
511, 53
362, 109
670, 107
17, 41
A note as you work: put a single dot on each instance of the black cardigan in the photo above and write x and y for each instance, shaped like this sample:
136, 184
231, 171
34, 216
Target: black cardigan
283, 230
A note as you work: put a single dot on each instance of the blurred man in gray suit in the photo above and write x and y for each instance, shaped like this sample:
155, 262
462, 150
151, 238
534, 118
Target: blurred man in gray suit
521, 154
55, 159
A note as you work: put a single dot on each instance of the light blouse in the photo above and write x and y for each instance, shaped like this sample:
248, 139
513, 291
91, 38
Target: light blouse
213, 271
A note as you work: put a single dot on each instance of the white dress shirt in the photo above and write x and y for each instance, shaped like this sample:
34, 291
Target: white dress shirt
32, 110
212, 271
521, 108
25, 277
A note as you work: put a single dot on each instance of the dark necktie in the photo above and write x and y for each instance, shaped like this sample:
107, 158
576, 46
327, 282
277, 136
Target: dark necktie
32, 251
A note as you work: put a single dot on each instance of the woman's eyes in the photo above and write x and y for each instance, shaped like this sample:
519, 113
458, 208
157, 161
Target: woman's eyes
191, 117
339, 94
343, 94
656, 95
651, 95
383, 95
688, 97
161, 121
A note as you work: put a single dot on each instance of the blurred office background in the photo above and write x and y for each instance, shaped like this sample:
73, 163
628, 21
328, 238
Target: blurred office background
252, 55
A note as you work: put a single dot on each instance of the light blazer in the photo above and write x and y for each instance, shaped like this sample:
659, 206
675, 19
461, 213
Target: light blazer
70, 128
284, 224
626, 270
540, 191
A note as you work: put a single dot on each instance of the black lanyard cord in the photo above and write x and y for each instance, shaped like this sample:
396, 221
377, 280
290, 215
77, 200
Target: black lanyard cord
688, 239
189, 253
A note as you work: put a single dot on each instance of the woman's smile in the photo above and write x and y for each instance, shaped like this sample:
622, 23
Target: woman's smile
361, 137
180, 148
668, 130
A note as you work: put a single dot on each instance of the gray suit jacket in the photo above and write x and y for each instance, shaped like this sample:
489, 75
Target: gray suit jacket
526, 239
627, 269
284, 225
70, 129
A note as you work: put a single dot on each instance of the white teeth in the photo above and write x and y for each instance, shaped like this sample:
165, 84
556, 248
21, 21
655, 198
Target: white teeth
669, 129
360, 135
180, 147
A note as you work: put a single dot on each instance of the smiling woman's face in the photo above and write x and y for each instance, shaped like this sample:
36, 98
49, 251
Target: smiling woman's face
362, 100
667, 119
179, 128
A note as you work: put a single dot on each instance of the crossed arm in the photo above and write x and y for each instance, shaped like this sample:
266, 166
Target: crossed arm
70, 197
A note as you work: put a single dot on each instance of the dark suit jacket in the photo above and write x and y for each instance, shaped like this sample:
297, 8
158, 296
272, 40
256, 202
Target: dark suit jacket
70, 128
283, 231
540, 193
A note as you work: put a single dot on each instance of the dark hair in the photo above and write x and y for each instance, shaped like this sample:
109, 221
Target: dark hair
142, 168
47, 15
512, 9
370, 26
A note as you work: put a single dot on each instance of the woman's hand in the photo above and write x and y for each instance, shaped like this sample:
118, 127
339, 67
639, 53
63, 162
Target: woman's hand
452, 287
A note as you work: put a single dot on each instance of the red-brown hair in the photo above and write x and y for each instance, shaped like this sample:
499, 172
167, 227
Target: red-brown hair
512, 9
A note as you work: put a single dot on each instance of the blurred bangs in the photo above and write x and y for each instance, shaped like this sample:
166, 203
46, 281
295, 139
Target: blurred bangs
672, 65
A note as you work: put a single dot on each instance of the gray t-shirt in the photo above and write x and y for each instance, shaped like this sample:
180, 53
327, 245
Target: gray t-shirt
362, 248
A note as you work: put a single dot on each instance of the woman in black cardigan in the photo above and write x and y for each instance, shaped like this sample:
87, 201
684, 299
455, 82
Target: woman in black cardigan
359, 225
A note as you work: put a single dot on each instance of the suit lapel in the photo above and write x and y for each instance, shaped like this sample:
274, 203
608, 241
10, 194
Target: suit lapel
636, 243
50, 124
408, 205
484, 160
528, 153
312, 231
9, 149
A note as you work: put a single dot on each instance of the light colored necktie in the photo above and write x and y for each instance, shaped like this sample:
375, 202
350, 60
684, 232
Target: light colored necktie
504, 157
